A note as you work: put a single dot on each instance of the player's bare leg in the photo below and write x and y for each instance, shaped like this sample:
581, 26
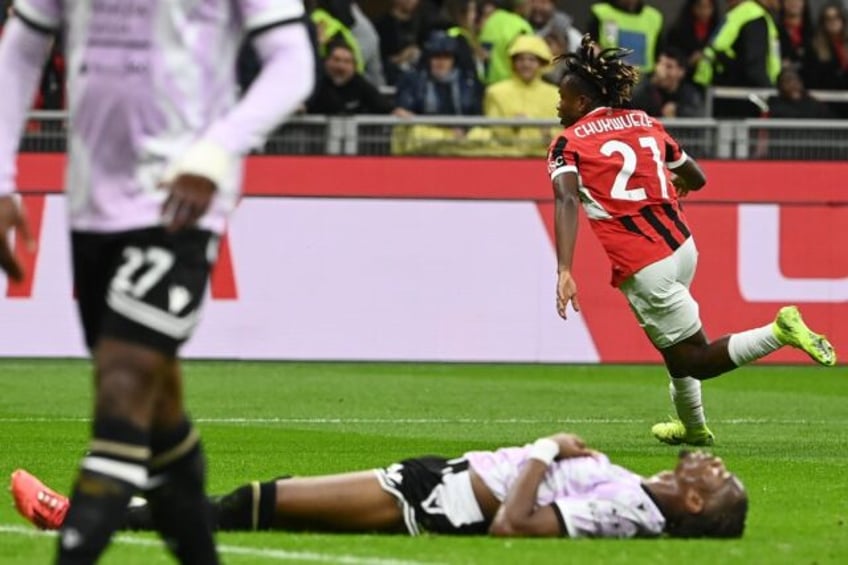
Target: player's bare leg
349, 502
126, 384
177, 503
699, 359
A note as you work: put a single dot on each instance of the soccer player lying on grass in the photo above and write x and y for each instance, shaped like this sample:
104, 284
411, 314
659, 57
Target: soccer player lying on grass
556, 486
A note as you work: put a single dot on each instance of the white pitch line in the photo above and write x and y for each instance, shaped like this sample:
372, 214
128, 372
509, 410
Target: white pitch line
472, 421
262, 553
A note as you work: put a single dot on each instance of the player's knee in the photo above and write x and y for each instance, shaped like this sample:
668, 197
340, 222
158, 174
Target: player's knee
126, 382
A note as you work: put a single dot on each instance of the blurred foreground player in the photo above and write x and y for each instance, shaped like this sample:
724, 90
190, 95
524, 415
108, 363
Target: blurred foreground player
154, 170
615, 162
553, 487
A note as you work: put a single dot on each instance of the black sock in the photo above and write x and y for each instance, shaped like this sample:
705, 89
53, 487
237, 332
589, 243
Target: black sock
114, 468
138, 518
177, 500
249, 507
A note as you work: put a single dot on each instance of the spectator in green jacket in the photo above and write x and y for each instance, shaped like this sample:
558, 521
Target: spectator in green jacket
499, 26
745, 50
629, 24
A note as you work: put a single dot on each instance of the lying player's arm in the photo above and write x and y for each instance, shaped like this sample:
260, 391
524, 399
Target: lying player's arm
519, 516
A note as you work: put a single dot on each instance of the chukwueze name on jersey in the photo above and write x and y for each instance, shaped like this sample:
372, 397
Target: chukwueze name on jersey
615, 123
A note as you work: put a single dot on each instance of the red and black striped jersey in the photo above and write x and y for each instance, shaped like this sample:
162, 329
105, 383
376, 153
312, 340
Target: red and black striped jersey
622, 160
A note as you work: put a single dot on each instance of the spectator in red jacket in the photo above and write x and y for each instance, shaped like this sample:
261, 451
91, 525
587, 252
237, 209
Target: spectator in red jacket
692, 30
827, 66
795, 26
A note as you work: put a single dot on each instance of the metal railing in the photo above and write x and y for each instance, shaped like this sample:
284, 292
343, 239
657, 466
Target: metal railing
466, 136
758, 97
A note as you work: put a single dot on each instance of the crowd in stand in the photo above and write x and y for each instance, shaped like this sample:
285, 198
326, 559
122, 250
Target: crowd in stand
456, 57
497, 57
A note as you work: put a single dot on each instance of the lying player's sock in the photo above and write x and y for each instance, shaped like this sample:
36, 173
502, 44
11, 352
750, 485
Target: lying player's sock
114, 468
249, 507
750, 345
176, 497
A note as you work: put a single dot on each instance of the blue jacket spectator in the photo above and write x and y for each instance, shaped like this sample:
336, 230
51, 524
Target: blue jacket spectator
439, 87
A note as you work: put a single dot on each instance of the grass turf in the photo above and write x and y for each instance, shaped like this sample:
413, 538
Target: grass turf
783, 430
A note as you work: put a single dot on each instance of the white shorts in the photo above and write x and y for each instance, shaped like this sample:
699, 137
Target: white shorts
659, 296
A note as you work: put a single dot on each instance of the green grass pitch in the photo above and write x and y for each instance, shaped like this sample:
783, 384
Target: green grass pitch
783, 430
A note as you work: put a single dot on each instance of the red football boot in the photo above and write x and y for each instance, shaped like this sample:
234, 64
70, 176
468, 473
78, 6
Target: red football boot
42, 506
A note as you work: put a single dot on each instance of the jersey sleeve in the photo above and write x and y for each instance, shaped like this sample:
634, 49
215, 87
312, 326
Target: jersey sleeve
593, 516
673, 153
261, 14
562, 157
41, 15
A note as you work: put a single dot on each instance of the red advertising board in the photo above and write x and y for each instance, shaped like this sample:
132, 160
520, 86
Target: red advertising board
769, 233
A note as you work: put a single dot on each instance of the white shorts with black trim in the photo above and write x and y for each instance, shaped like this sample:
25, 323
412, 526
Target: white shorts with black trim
659, 296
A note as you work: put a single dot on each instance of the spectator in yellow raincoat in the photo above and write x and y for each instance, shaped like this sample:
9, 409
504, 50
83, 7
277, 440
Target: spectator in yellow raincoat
523, 95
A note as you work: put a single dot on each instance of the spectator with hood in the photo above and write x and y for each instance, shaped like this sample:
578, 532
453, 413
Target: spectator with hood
438, 87
524, 95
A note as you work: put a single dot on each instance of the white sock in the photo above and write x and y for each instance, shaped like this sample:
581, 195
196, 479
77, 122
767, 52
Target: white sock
686, 396
750, 345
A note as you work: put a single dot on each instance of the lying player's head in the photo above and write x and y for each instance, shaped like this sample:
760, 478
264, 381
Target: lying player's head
593, 78
701, 498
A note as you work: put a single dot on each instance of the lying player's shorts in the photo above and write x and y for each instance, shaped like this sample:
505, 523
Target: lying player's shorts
659, 296
435, 495
142, 286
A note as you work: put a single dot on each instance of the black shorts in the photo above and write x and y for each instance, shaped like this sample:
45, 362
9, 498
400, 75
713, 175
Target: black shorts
435, 495
142, 286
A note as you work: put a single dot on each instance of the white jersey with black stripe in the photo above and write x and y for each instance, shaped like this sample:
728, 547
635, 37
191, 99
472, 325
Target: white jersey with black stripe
592, 497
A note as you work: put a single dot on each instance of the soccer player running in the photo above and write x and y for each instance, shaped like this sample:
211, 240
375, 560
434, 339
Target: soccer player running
556, 486
615, 162
154, 170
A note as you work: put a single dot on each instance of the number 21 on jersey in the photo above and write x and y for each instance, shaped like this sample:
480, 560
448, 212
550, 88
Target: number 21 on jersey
630, 158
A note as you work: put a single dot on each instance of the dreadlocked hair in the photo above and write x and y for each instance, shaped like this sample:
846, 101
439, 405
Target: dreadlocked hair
603, 74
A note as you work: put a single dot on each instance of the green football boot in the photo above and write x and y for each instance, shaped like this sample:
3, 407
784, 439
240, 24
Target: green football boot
674, 432
790, 329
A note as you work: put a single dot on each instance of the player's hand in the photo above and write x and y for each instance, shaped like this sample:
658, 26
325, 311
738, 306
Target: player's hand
189, 198
680, 185
571, 445
566, 292
12, 217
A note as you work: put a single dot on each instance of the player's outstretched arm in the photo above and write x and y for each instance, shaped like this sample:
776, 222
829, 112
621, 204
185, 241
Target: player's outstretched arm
23, 49
566, 204
519, 516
